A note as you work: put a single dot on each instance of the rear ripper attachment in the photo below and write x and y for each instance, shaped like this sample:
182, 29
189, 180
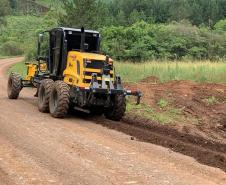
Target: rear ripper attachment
71, 73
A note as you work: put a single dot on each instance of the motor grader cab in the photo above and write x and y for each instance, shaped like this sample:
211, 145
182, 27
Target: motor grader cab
72, 73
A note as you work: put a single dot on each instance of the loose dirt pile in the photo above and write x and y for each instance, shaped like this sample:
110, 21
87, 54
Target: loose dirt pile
204, 139
204, 104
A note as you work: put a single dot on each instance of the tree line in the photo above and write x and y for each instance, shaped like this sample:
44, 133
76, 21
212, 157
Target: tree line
128, 12
153, 29
140, 30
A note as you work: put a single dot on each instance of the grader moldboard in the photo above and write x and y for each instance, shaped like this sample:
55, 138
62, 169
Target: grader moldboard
70, 72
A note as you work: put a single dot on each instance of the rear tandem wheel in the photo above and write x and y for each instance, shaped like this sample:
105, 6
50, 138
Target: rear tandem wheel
44, 95
59, 99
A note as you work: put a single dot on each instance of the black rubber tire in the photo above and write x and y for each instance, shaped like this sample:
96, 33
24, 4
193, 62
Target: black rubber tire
14, 86
59, 99
117, 111
44, 95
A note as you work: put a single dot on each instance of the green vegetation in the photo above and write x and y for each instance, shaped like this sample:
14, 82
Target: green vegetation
19, 68
94, 18
11, 48
128, 12
20, 34
4, 10
52, 4
163, 103
211, 100
198, 71
169, 115
174, 41
134, 30
45, 2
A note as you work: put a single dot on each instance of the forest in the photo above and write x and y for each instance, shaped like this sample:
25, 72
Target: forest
132, 30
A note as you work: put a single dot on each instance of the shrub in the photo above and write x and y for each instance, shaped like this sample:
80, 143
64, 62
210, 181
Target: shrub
31, 54
221, 25
23, 31
11, 48
147, 41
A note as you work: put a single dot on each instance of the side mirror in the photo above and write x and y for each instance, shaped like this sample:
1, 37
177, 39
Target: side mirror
40, 37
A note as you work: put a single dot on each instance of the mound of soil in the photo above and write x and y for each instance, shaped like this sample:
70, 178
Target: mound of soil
151, 79
204, 102
205, 139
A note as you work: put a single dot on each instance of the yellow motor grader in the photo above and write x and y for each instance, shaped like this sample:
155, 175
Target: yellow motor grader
70, 72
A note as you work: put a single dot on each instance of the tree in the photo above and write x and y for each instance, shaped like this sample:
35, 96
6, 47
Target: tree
196, 17
4, 10
121, 18
87, 13
13, 4
136, 16
179, 10
160, 10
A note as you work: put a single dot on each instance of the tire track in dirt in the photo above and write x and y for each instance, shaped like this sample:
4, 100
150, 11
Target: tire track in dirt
207, 152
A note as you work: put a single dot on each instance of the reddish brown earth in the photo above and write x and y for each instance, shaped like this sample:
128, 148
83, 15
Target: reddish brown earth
204, 139
195, 101
37, 149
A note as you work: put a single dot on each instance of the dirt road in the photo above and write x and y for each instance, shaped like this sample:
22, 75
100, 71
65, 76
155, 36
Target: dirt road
38, 149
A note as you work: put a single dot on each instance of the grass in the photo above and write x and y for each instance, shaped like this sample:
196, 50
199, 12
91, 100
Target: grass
44, 2
163, 103
212, 100
168, 115
50, 3
4, 57
212, 72
19, 68
198, 71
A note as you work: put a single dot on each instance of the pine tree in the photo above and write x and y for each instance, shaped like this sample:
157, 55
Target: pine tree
83, 13
4, 10
13, 4
179, 10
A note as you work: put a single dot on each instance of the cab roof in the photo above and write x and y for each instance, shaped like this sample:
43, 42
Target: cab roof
74, 29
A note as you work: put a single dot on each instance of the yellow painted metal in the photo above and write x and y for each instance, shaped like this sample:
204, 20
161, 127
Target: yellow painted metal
75, 68
32, 69
43, 67
74, 72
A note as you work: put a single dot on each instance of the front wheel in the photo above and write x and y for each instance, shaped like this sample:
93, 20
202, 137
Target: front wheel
14, 86
59, 99
117, 111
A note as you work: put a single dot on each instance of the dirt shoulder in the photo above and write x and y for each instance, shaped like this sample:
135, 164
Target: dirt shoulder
196, 108
38, 149
195, 119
